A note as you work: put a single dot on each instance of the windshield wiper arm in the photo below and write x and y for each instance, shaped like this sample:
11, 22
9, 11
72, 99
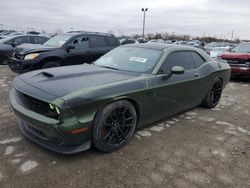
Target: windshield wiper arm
109, 67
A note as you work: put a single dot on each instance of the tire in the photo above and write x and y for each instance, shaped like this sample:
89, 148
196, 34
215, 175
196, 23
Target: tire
214, 94
3, 60
114, 126
50, 64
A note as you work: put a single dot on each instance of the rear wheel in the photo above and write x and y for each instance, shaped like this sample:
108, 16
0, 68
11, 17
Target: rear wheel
50, 64
114, 125
214, 95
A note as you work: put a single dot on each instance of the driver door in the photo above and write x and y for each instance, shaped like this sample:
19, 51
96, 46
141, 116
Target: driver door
80, 54
177, 93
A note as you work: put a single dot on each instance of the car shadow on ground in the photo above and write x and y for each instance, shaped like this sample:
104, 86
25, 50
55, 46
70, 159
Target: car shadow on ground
240, 79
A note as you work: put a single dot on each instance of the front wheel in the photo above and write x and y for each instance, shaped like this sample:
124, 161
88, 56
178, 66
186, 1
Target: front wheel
214, 95
50, 64
114, 125
3, 60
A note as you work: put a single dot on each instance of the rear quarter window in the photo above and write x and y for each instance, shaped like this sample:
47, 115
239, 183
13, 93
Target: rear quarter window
98, 41
198, 59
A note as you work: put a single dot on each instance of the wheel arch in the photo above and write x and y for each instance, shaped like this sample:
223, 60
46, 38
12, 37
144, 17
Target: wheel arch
129, 99
53, 58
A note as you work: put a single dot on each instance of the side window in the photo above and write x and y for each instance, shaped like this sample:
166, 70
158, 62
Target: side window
98, 41
39, 40
26, 39
112, 41
182, 58
81, 42
198, 59
17, 40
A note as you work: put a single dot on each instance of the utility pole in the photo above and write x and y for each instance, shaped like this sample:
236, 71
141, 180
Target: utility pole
1, 26
144, 10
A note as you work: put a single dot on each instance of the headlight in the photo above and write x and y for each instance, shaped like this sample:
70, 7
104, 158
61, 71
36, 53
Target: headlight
53, 112
31, 56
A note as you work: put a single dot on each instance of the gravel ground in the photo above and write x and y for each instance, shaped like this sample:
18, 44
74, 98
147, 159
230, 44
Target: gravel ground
198, 148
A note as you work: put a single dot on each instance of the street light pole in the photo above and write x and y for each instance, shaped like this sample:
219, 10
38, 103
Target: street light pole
144, 10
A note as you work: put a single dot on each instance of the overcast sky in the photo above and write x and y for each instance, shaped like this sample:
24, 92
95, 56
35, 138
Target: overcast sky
193, 17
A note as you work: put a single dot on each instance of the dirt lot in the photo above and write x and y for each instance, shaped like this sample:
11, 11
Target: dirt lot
199, 148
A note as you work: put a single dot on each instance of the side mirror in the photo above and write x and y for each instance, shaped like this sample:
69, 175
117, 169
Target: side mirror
14, 44
177, 70
70, 47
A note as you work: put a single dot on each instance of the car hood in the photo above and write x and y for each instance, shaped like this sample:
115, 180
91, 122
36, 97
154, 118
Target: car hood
62, 81
5, 47
232, 55
30, 48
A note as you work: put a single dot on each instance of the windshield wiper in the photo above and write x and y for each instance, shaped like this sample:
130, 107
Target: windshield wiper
109, 67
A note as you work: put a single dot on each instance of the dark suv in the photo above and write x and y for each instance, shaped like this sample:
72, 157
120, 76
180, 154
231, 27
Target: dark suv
62, 50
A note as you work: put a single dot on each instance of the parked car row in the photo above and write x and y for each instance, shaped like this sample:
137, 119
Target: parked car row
214, 49
25, 53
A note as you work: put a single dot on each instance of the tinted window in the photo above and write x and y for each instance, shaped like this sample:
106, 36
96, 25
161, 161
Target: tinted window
198, 59
17, 40
26, 39
98, 41
81, 42
184, 59
112, 41
20, 40
39, 40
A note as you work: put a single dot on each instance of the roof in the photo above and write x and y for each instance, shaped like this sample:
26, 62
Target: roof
75, 33
158, 46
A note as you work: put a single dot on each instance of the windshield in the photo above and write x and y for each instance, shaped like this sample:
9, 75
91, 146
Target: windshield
131, 59
57, 41
242, 48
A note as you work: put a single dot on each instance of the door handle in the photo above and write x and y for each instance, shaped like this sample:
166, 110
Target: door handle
196, 75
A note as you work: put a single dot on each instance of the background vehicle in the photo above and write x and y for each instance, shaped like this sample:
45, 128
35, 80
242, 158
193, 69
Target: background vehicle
61, 50
8, 44
239, 59
5, 33
124, 41
66, 109
214, 49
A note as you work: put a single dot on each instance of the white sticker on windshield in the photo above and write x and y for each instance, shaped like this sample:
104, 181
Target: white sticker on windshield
138, 59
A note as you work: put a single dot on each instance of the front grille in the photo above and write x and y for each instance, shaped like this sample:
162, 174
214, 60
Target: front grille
36, 105
237, 62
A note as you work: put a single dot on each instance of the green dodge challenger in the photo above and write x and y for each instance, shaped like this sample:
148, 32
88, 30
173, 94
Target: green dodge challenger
69, 109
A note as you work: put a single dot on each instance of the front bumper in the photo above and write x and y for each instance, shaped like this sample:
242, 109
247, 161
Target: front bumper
49, 143
240, 71
48, 132
19, 66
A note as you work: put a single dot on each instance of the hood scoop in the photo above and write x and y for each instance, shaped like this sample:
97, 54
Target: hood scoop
48, 75
41, 75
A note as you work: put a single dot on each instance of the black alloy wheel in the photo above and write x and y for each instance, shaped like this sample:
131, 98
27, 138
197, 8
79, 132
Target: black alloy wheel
115, 126
216, 92
214, 95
